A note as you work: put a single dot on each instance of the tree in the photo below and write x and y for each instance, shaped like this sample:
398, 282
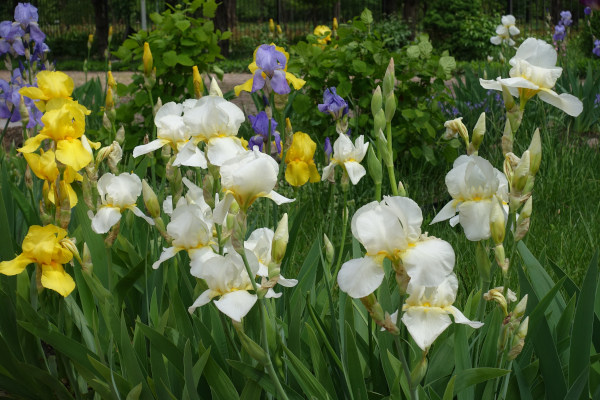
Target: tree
101, 19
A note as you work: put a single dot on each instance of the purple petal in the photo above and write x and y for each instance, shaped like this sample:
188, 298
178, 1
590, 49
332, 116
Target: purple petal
328, 148
256, 140
258, 82
279, 83
25, 13
36, 33
18, 47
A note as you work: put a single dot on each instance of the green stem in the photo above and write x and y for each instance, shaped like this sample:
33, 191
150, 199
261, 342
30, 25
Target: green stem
263, 317
406, 368
344, 229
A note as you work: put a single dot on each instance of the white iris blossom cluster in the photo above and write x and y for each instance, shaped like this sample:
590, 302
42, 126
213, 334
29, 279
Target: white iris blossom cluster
505, 31
246, 175
423, 265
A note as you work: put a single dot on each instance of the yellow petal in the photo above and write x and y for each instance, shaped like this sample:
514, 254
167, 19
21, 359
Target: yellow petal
67, 190
44, 166
35, 94
40, 241
246, 86
68, 121
54, 277
55, 84
302, 148
16, 265
72, 153
314, 174
297, 173
296, 82
32, 144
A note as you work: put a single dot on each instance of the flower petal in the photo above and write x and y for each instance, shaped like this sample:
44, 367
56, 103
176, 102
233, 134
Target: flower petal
167, 253
566, 102
140, 214
105, 218
474, 217
297, 173
447, 212
191, 156
236, 304
429, 261
355, 171
148, 148
460, 318
16, 265
278, 199
221, 149
360, 277
54, 277
203, 299
72, 153
425, 324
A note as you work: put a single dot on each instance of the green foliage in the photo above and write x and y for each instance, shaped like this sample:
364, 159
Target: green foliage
184, 36
460, 27
394, 31
355, 63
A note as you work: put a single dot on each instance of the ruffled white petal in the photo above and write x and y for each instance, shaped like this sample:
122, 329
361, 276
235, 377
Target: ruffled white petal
236, 304
460, 318
429, 262
105, 218
447, 212
360, 277
475, 219
149, 148
203, 299
287, 282
278, 199
566, 102
328, 173
221, 149
140, 214
355, 171
191, 156
222, 208
167, 253
425, 324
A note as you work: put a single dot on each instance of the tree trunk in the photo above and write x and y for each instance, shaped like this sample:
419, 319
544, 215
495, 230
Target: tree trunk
410, 14
390, 7
101, 18
225, 18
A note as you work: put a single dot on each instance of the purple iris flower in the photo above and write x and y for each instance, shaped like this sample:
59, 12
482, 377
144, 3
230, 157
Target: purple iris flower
587, 11
10, 99
566, 18
10, 38
333, 104
260, 124
328, 148
596, 49
559, 33
25, 14
271, 62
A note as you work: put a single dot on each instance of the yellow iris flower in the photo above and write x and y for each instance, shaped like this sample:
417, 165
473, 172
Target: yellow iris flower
65, 125
297, 83
42, 245
323, 33
44, 167
51, 85
299, 159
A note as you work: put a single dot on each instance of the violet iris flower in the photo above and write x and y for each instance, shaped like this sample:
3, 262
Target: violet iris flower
328, 149
566, 18
272, 63
10, 99
596, 49
559, 33
10, 38
333, 104
587, 11
27, 16
260, 124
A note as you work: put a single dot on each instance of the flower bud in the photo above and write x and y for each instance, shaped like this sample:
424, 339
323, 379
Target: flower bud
374, 164
238, 232
253, 349
110, 102
329, 251
456, 127
157, 106
150, 200
110, 33
335, 24
110, 80
497, 221
271, 25
478, 132
90, 41
376, 100
401, 189
535, 150
69, 244
418, 372
120, 137
279, 31
497, 296
288, 128
483, 262
501, 259
215, 90
379, 121
198, 83
86, 264
106, 122
390, 107
524, 220
374, 308
509, 101
280, 240
521, 173
389, 79
115, 156
507, 138
147, 60
519, 309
